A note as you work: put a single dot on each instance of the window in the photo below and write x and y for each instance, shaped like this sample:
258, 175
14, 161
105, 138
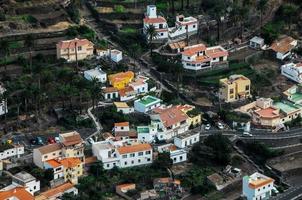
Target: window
125, 163
54, 154
194, 26
125, 156
247, 87
174, 159
148, 159
139, 160
79, 48
132, 155
45, 156
160, 26
140, 153
231, 91
35, 187
122, 128
188, 58
161, 34
132, 162
180, 158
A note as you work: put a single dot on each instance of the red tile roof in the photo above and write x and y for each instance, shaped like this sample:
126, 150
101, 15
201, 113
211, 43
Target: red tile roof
283, 45
72, 138
110, 90
268, 112
134, 148
71, 43
57, 191
216, 52
121, 124
54, 163
159, 19
190, 51
171, 116
70, 162
259, 183
18, 192
126, 91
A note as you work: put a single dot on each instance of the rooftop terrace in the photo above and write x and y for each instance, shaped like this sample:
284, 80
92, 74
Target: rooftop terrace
149, 100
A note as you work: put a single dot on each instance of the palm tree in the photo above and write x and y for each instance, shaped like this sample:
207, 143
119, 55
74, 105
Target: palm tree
261, 6
188, 3
94, 91
151, 34
29, 43
5, 50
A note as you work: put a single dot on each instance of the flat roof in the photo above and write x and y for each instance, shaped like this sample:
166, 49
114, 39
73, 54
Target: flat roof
297, 97
286, 107
148, 100
142, 129
187, 134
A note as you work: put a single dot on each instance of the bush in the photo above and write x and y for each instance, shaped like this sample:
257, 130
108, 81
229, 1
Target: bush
119, 9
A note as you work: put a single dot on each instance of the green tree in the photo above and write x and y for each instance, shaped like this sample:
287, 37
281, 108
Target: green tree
151, 34
163, 161
289, 11
95, 91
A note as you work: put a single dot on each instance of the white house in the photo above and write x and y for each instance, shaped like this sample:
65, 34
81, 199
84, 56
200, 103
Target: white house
183, 26
257, 186
121, 126
123, 107
159, 23
176, 154
292, 71
3, 102
146, 103
140, 85
127, 93
171, 122
125, 153
283, 47
31, 184
256, 42
11, 150
187, 139
97, 73
116, 55
198, 57
147, 133
110, 93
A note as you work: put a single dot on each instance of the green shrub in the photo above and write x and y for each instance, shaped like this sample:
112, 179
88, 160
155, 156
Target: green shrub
119, 9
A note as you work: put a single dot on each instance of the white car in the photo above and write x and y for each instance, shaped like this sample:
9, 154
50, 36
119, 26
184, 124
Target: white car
207, 127
246, 134
220, 125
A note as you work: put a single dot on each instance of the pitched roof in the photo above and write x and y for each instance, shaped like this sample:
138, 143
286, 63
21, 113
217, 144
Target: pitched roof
110, 90
121, 124
190, 51
166, 180
159, 19
268, 112
50, 148
125, 91
71, 138
170, 116
178, 45
57, 191
283, 45
71, 43
121, 105
18, 192
216, 52
120, 76
131, 134
134, 148
70, 162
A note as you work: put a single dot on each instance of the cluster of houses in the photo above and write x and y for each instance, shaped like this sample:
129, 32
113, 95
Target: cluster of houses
125, 147
183, 25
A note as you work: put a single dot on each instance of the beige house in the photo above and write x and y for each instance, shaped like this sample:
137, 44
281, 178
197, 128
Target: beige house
74, 49
70, 145
234, 88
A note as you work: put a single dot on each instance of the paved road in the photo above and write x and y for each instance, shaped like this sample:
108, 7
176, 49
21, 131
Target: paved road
293, 193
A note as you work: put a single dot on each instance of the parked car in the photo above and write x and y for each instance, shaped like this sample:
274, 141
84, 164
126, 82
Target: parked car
51, 140
39, 140
220, 125
207, 127
246, 134
57, 139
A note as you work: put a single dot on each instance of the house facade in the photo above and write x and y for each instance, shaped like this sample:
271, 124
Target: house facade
3, 102
11, 150
71, 50
171, 122
177, 155
97, 73
283, 47
257, 186
187, 139
110, 93
57, 192
256, 42
146, 104
292, 71
123, 107
121, 80
26, 180
234, 88
200, 57
124, 153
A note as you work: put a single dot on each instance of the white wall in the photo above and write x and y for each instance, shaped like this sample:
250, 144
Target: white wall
16, 151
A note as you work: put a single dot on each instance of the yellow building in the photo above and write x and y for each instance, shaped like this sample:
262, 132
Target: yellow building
193, 114
73, 169
121, 80
234, 88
